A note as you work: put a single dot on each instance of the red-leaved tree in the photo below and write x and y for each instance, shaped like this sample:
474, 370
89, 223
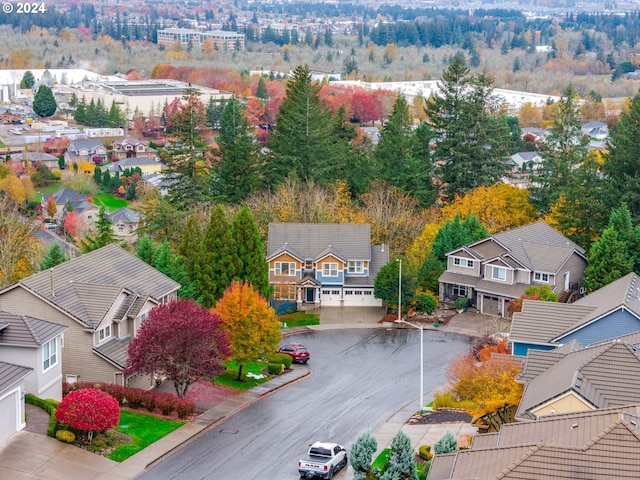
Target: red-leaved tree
89, 409
181, 341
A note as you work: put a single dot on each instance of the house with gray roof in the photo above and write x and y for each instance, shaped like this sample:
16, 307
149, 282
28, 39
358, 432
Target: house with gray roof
324, 264
102, 297
79, 151
598, 445
610, 312
125, 223
79, 202
12, 390
497, 269
34, 343
578, 378
528, 161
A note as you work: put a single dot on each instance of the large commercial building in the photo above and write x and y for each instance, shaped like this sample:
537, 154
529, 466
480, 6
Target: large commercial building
222, 40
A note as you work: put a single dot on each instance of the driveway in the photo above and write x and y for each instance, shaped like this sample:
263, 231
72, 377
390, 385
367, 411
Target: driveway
353, 317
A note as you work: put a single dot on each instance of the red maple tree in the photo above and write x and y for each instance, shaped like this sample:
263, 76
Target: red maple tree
89, 409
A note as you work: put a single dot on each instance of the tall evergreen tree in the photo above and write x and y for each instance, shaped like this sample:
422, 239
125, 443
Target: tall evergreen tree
562, 151
261, 90
302, 138
194, 259
472, 136
54, 256
44, 103
221, 263
607, 261
189, 177
621, 165
238, 149
251, 265
104, 234
28, 80
401, 463
146, 250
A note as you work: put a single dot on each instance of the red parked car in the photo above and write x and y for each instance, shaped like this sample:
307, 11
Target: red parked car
298, 352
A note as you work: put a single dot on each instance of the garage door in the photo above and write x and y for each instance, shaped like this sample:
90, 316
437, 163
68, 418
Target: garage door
330, 298
360, 298
8, 418
490, 306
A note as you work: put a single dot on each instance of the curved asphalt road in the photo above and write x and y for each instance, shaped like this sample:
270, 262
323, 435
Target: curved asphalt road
360, 378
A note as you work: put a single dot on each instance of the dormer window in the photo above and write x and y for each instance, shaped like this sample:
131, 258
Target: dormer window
499, 273
104, 333
463, 262
285, 268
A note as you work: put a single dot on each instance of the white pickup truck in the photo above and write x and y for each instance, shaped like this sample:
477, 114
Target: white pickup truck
322, 460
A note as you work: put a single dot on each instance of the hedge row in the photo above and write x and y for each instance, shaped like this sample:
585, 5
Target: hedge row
50, 406
138, 398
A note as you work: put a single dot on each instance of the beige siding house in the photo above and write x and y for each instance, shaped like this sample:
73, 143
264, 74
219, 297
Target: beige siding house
497, 269
102, 297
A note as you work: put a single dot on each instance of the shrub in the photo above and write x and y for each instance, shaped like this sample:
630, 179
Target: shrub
425, 452
50, 406
282, 358
89, 409
149, 401
446, 444
426, 302
479, 343
185, 407
461, 302
116, 391
66, 436
165, 402
134, 397
275, 368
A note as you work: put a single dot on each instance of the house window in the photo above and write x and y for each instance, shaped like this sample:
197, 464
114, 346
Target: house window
143, 317
326, 292
285, 268
541, 277
463, 262
308, 264
330, 269
104, 333
356, 266
499, 273
49, 354
459, 290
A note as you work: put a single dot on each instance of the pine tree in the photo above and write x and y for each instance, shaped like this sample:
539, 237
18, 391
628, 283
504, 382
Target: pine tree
54, 256
44, 103
303, 136
472, 136
261, 90
194, 259
104, 235
238, 149
446, 444
146, 250
221, 259
28, 80
562, 152
401, 461
251, 265
364, 446
621, 165
608, 261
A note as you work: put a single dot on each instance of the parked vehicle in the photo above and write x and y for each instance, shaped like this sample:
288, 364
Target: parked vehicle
322, 460
298, 352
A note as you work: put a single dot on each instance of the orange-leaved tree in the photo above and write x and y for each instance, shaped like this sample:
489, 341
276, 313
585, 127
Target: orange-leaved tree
253, 325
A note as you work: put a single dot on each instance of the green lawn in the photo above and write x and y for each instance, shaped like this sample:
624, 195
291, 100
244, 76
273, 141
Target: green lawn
299, 319
109, 201
144, 429
228, 377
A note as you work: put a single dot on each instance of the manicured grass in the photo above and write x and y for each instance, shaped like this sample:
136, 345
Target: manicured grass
228, 377
144, 429
381, 460
299, 319
109, 201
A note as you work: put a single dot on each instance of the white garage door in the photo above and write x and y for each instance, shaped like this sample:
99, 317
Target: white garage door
357, 297
330, 297
8, 418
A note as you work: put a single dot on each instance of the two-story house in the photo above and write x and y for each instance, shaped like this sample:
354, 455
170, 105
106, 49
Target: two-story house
79, 151
79, 202
497, 269
133, 148
324, 264
102, 297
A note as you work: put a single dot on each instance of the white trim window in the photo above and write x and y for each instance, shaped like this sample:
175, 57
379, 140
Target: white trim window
329, 269
462, 262
49, 354
104, 333
460, 290
286, 269
541, 277
356, 266
499, 273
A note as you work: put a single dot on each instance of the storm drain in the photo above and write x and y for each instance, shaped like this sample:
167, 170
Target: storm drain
227, 430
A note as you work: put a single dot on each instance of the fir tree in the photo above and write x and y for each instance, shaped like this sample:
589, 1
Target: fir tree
608, 261
251, 265
44, 103
446, 444
54, 256
28, 80
146, 250
401, 461
261, 90
221, 259
194, 259
104, 235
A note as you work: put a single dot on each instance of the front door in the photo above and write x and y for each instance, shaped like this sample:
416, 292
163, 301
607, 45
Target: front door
310, 295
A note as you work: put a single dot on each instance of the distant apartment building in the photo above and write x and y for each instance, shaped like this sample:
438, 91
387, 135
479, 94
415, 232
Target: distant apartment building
222, 40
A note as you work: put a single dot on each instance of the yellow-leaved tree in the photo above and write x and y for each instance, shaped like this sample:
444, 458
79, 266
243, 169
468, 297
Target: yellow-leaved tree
253, 325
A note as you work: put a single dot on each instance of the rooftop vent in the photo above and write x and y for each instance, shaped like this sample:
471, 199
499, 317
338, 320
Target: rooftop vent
575, 425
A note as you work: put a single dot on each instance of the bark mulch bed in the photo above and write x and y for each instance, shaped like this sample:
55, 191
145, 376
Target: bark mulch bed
442, 415
442, 319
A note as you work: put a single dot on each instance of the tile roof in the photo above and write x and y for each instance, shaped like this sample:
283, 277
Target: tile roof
87, 286
591, 445
11, 374
311, 239
606, 375
115, 350
125, 215
26, 331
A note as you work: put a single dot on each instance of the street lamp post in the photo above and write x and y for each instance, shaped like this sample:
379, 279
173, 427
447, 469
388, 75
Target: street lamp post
421, 328
399, 289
